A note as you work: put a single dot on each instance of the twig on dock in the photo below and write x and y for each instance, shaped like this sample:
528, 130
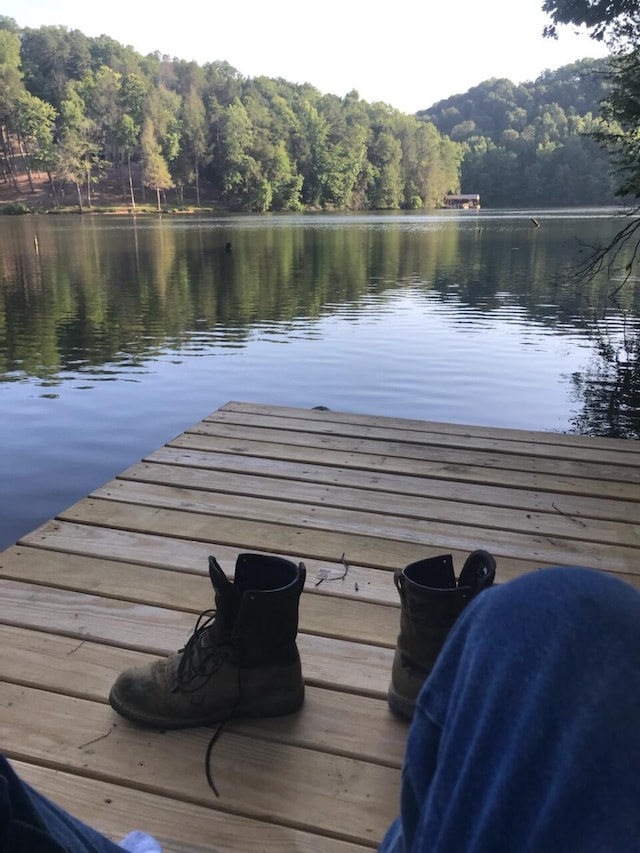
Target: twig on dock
566, 515
75, 648
324, 574
96, 739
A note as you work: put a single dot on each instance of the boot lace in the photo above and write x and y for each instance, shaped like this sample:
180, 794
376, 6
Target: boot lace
207, 757
201, 657
200, 660
212, 742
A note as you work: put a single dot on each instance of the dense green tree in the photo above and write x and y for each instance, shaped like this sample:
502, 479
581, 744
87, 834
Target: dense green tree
385, 183
193, 149
100, 91
9, 24
77, 151
25, 120
342, 159
34, 125
107, 52
133, 94
132, 97
285, 182
51, 58
162, 107
192, 116
155, 171
11, 88
431, 164
310, 146
514, 138
237, 170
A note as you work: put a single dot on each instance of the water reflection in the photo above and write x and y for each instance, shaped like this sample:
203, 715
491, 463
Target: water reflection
119, 332
102, 297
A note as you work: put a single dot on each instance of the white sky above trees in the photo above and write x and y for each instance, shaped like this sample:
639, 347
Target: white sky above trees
408, 54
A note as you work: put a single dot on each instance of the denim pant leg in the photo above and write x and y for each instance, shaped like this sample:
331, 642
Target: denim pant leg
526, 736
30, 823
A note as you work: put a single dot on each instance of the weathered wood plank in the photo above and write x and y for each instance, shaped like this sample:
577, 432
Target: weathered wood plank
62, 663
286, 413
540, 462
348, 538
185, 555
124, 624
180, 826
224, 472
338, 796
535, 478
619, 454
326, 615
394, 517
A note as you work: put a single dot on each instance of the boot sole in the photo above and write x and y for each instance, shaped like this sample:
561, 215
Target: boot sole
400, 705
272, 708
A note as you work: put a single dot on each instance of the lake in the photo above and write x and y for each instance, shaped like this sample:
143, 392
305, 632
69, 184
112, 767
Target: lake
119, 332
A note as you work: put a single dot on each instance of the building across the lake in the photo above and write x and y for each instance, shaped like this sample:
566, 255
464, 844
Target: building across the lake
464, 201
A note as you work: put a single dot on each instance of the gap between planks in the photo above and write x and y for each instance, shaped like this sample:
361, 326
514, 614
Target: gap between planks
499, 440
329, 417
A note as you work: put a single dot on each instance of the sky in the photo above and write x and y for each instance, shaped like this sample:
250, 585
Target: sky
408, 54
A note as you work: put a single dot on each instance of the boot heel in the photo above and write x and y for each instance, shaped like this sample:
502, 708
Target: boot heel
400, 705
276, 707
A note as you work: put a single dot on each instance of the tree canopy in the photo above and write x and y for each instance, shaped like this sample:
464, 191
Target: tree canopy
617, 23
612, 392
532, 144
258, 144
611, 20
88, 109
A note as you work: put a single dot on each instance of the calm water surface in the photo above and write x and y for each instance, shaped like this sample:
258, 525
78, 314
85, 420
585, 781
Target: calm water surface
118, 333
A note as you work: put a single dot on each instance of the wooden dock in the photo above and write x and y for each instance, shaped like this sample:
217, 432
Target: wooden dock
121, 576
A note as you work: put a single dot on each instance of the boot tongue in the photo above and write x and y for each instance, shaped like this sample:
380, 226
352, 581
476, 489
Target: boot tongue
227, 597
478, 571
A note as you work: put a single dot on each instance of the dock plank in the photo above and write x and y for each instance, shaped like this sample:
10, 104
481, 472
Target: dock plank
406, 514
399, 437
535, 477
341, 533
610, 465
186, 555
181, 827
342, 797
401, 425
329, 616
120, 577
226, 472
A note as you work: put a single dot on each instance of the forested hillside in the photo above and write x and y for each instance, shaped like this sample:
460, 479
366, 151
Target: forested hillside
76, 106
529, 144
91, 114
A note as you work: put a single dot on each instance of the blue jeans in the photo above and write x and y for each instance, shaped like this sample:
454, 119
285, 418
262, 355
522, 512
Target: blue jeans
526, 736
30, 823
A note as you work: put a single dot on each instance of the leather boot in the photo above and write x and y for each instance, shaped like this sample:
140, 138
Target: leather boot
241, 660
431, 601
